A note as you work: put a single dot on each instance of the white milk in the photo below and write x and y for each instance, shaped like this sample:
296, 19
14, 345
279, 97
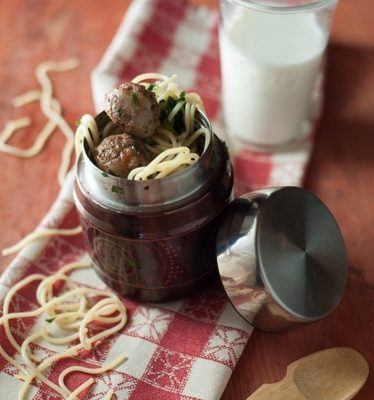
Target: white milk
269, 66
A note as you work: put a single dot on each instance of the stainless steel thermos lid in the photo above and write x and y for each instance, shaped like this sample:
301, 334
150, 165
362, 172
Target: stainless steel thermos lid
281, 258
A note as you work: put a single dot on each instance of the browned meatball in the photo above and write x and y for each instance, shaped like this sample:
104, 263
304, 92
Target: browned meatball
134, 109
119, 154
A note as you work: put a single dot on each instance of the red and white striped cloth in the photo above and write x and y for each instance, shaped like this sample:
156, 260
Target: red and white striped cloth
181, 350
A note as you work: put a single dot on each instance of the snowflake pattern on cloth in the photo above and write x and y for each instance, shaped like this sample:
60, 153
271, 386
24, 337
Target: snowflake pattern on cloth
176, 351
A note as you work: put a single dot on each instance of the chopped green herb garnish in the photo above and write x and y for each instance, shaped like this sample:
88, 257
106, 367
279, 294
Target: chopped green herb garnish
104, 174
50, 320
117, 189
132, 263
168, 125
134, 99
182, 96
151, 87
77, 123
170, 104
225, 148
177, 124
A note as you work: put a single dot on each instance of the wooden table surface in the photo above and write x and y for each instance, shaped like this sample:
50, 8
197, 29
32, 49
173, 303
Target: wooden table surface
341, 171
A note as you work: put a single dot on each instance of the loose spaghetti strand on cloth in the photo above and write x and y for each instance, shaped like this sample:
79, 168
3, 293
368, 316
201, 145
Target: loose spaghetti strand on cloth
93, 371
109, 313
79, 389
39, 234
109, 395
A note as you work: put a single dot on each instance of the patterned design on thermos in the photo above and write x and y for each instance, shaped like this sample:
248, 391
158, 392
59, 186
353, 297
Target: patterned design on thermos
154, 240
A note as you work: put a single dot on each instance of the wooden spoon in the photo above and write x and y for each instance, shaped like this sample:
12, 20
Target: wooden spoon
332, 374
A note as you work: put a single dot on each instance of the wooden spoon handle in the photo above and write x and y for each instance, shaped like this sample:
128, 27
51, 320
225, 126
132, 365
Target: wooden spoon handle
283, 390
331, 374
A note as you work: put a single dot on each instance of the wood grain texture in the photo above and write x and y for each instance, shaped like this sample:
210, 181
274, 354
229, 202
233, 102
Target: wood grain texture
332, 374
341, 171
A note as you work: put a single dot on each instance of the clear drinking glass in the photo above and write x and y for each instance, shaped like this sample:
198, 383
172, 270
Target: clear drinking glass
271, 55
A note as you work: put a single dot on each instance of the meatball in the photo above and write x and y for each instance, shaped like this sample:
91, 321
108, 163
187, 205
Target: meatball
134, 109
119, 154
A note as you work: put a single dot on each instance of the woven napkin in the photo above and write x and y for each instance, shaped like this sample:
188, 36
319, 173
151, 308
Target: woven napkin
181, 350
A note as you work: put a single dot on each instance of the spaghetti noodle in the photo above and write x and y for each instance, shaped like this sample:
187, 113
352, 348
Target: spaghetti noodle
172, 150
51, 107
74, 310
39, 234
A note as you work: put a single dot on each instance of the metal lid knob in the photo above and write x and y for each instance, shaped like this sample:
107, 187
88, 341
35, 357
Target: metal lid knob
281, 258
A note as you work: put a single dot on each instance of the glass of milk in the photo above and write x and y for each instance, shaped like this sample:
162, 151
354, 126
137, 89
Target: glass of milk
271, 57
